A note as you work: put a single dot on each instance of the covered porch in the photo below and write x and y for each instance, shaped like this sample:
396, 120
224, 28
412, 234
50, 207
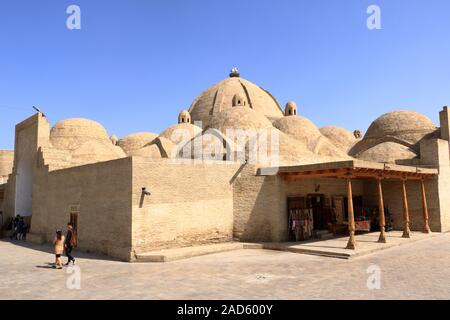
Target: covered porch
353, 171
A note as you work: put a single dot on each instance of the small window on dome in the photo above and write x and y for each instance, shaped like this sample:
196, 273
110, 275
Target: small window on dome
238, 101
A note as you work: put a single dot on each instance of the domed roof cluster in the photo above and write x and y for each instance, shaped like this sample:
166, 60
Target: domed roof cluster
236, 103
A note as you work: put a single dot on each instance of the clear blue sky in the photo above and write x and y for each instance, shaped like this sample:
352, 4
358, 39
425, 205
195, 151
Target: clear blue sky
136, 63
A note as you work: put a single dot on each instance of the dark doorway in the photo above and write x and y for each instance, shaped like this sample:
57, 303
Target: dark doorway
317, 203
74, 220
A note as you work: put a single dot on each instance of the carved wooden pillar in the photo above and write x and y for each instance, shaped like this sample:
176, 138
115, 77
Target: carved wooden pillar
406, 230
382, 220
426, 227
351, 216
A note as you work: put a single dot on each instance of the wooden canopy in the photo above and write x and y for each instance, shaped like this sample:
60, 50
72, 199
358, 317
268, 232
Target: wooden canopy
354, 169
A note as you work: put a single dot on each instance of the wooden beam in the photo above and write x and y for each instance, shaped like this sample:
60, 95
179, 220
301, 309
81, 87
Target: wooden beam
357, 173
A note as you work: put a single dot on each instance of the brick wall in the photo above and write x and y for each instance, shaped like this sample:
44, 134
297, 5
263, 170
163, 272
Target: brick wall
189, 203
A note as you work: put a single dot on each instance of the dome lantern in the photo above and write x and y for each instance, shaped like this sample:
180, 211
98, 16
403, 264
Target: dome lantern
184, 117
291, 109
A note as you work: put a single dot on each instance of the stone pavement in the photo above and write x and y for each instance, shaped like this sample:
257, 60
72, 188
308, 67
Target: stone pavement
366, 243
419, 270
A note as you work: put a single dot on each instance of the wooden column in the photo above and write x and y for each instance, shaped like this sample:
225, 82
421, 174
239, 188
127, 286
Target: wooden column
351, 216
406, 230
426, 227
382, 220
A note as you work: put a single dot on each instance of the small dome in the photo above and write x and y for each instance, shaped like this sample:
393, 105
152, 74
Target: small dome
136, 141
340, 137
184, 117
166, 147
219, 98
291, 109
210, 145
387, 152
239, 118
302, 129
180, 133
299, 128
95, 151
150, 151
70, 134
409, 126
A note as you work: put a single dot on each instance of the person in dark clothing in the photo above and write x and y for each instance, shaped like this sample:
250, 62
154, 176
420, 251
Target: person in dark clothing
15, 222
68, 244
20, 229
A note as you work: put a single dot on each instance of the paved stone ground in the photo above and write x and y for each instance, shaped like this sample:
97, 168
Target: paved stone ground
418, 270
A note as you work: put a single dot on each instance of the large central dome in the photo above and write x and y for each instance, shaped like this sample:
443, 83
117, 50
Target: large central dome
234, 91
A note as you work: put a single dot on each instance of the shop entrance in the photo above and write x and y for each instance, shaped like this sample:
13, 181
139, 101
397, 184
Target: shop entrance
317, 203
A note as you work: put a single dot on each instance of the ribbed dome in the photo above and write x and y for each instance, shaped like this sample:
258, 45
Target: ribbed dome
409, 126
387, 152
241, 117
70, 134
220, 96
340, 137
136, 141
